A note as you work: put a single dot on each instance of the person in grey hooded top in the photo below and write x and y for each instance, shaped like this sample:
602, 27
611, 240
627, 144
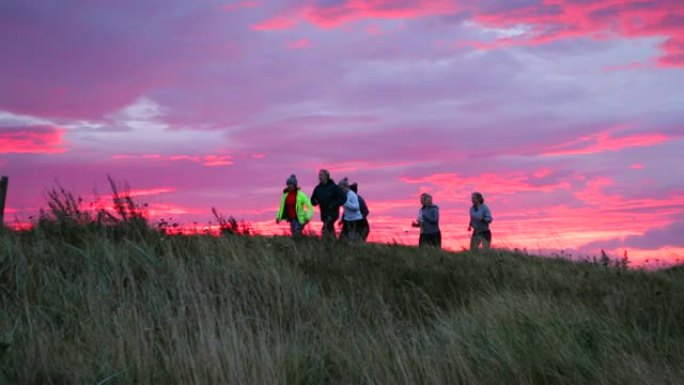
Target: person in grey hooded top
480, 218
428, 221
352, 218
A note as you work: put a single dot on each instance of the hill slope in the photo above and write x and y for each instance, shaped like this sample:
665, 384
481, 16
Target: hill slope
234, 310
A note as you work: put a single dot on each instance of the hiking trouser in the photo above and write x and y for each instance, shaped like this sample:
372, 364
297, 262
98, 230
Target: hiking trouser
431, 240
351, 230
364, 229
328, 229
483, 238
296, 228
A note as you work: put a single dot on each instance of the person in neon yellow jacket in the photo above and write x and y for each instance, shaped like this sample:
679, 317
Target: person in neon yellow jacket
295, 207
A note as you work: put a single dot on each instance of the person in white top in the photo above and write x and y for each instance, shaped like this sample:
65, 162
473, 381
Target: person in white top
352, 217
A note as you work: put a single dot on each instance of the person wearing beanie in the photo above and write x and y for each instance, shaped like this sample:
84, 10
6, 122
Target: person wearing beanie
480, 218
329, 197
428, 221
295, 207
352, 217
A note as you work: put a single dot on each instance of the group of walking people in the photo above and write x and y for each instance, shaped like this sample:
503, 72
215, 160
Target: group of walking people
297, 209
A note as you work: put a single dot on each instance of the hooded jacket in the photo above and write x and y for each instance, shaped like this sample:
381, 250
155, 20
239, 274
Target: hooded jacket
480, 218
304, 208
329, 197
352, 208
428, 216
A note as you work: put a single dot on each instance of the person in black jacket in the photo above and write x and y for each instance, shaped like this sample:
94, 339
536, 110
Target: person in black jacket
329, 197
364, 228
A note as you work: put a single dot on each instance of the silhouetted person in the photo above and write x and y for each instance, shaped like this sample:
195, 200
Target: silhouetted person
329, 197
428, 221
480, 218
295, 207
352, 218
364, 228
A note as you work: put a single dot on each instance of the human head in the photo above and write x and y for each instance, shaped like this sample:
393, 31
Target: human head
477, 199
354, 187
344, 185
323, 176
426, 199
291, 182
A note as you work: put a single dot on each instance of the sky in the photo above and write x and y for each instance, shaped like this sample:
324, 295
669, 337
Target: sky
568, 115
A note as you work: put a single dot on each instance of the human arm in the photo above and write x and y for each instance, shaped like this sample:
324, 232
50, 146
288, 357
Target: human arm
486, 215
419, 219
339, 198
281, 210
314, 197
306, 202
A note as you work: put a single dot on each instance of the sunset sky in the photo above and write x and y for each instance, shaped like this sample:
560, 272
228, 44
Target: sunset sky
568, 115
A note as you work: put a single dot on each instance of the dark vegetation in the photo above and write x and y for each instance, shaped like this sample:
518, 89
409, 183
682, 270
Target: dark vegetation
97, 296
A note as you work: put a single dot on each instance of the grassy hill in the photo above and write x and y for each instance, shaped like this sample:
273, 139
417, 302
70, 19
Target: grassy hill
96, 308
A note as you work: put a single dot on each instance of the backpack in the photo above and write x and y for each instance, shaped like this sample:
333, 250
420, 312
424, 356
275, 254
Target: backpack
363, 207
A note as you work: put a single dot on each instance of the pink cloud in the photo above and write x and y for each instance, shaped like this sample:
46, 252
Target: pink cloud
601, 19
105, 200
206, 160
217, 160
354, 10
605, 142
545, 21
151, 191
355, 166
456, 186
185, 157
674, 48
299, 43
349, 11
159, 210
391, 205
156, 211
277, 23
31, 140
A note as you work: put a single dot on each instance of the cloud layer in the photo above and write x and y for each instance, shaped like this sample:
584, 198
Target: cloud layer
565, 114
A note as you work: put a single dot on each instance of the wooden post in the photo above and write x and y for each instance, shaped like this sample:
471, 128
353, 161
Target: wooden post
3, 194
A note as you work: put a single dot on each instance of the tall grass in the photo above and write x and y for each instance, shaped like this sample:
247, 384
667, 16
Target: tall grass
88, 305
239, 310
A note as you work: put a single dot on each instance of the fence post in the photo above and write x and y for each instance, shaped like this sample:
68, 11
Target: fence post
3, 194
